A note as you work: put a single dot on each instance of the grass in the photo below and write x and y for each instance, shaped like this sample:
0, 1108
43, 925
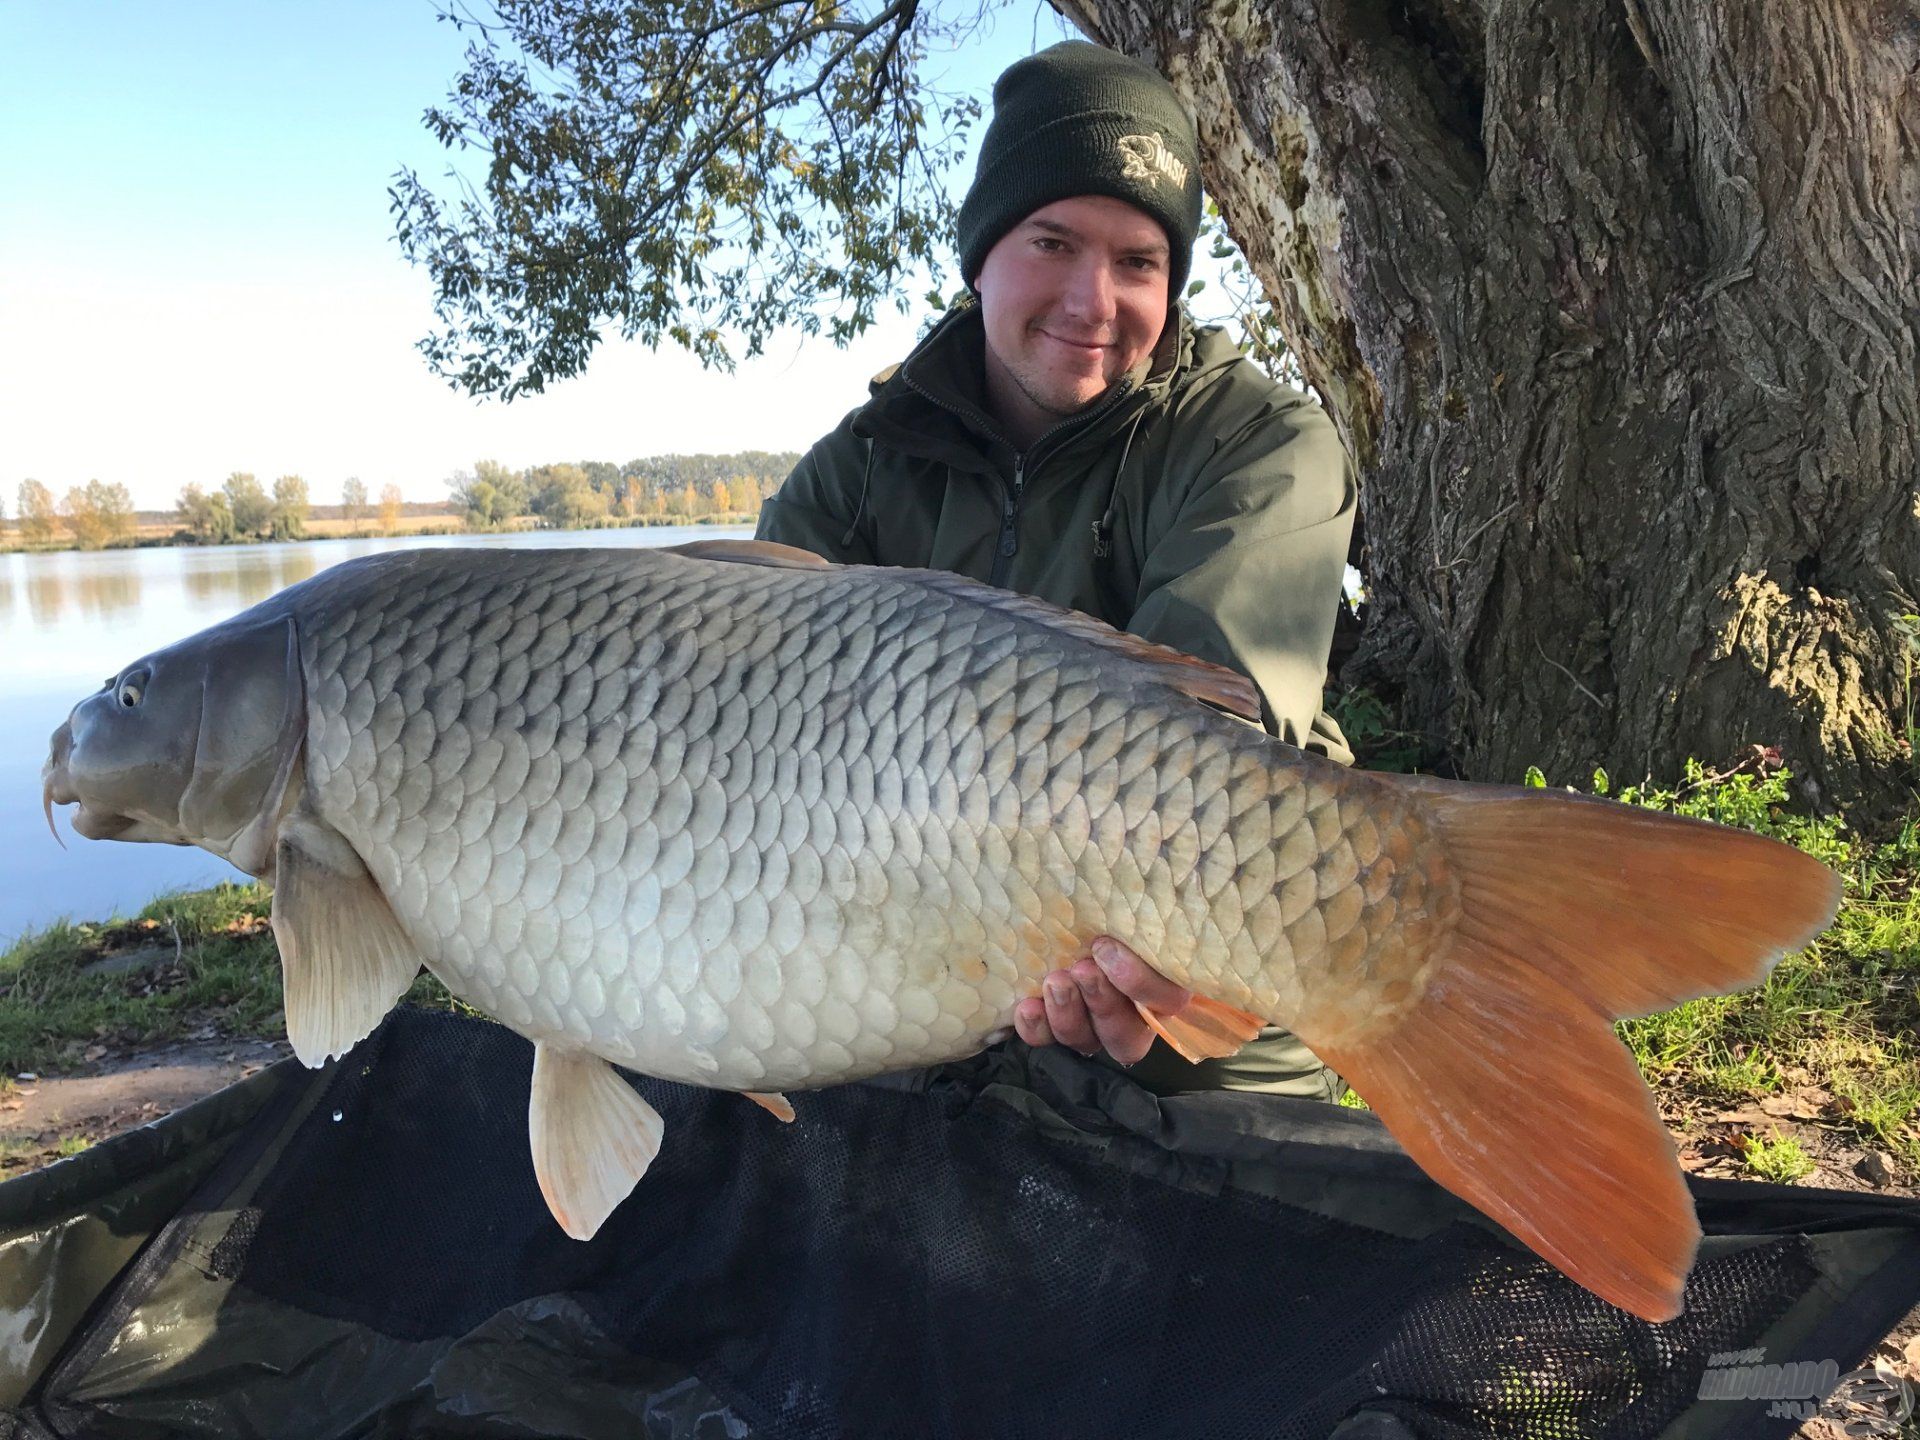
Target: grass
1780, 1160
1840, 1016
209, 967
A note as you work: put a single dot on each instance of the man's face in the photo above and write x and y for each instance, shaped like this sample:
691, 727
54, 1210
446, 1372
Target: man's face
1073, 297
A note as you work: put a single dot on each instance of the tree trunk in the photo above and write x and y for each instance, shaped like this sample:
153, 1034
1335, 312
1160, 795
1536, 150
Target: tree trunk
1616, 302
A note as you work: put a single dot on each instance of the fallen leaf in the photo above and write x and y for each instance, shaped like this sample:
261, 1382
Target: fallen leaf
1804, 1104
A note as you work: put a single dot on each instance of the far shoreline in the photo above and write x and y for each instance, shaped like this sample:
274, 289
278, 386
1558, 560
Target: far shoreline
422, 521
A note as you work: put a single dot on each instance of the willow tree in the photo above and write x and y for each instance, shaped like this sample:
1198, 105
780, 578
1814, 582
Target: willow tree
1616, 302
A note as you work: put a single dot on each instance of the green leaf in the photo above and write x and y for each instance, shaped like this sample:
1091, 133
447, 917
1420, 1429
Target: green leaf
1535, 780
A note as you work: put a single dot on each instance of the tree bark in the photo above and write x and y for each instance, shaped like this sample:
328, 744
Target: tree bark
1616, 302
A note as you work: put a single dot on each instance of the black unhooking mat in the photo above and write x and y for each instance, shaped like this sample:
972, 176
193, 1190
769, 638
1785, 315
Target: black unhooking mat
1023, 1245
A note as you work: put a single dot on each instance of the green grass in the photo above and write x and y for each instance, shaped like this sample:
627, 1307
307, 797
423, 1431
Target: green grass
1841, 1015
1781, 1161
215, 969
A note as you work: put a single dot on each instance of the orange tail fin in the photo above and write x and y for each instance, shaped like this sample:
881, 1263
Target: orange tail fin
1505, 1081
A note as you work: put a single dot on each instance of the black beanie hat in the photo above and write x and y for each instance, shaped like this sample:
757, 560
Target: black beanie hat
1077, 119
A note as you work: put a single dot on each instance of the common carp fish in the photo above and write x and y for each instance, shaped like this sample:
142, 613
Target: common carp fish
733, 816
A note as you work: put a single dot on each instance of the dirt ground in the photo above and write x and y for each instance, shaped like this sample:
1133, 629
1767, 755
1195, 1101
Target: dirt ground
42, 1119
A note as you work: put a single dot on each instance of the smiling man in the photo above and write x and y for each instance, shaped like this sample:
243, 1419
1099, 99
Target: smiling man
1074, 437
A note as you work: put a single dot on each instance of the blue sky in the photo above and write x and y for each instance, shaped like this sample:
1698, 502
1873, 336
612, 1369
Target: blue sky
198, 275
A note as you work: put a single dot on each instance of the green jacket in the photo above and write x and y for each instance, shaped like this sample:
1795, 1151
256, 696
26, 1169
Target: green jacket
1203, 506
1197, 504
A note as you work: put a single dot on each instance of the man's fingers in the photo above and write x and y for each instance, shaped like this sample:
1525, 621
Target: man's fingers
1030, 1022
1117, 1023
1067, 1013
1137, 980
1091, 1007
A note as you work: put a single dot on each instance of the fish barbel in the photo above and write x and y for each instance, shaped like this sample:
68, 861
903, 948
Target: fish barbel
733, 816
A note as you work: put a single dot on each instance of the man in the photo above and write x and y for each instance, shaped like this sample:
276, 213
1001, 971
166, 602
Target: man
1073, 437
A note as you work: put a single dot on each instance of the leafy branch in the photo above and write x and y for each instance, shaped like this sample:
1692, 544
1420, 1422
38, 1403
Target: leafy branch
692, 171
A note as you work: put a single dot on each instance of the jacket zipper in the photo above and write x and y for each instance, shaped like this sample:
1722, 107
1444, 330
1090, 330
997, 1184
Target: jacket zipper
1009, 518
1009, 543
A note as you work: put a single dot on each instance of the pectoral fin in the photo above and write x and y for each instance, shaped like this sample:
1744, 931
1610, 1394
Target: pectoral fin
593, 1137
1203, 1029
344, 960
775, 1105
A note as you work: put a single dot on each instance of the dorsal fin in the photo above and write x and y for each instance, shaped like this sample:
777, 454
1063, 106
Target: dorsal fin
1190, 675
1202, 679
750, 552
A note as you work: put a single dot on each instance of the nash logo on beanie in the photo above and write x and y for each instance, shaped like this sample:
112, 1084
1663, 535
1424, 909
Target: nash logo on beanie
1148, 158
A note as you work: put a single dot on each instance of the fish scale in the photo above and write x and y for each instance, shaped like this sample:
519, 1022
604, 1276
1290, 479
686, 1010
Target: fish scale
737, 817
687, 895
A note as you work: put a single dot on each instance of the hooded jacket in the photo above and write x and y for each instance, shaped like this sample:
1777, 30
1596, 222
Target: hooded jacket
1197, 504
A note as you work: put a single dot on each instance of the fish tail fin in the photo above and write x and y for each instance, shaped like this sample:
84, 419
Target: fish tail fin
1505, 1081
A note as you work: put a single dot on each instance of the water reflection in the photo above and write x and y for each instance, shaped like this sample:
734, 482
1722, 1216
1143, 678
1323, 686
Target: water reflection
46, 596
55, 591
103, 595
241, 579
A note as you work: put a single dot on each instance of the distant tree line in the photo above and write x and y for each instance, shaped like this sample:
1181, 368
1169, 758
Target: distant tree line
491, 496
242, 509
93, 515
598, 492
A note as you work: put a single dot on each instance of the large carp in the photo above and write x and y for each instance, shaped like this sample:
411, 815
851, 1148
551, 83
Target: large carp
733, 816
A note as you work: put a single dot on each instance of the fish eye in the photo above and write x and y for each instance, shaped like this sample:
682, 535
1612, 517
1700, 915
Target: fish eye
131, 689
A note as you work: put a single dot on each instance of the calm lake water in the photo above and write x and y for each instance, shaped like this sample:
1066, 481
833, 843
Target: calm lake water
69, 620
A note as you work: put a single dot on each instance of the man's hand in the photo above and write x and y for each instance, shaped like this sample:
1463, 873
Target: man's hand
1090, 1007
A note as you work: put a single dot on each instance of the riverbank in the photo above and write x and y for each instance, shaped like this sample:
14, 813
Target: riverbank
104, 1025
158, 530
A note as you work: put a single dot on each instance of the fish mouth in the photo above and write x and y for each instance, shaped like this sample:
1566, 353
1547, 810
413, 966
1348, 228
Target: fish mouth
95, 826
56, 788
92, 823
